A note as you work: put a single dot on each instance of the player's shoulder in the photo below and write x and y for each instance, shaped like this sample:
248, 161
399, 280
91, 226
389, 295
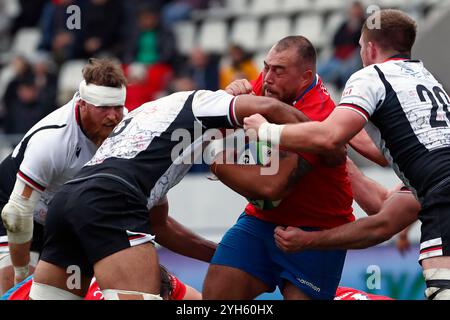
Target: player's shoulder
55, 131
365, 73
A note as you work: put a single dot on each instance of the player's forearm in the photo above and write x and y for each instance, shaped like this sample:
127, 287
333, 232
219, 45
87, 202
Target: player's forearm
176, 237
278, 112
248, 181
309, 137
360, 234
273, 110
365, 146
369, 194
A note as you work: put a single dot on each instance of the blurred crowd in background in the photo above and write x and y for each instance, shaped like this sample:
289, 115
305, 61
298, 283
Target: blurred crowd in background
141, 35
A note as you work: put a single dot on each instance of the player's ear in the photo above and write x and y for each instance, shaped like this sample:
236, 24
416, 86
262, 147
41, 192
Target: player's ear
307, 76
372, 49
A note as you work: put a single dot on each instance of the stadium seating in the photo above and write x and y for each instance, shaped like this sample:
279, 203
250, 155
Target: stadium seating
69, 79
26, 41
185, 32
213, 36
273, 30
245, 32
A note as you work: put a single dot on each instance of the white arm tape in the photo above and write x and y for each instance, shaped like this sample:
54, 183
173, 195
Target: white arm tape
17, 214
270, 132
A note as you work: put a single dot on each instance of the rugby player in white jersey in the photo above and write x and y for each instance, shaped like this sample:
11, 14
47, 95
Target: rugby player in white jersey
50, 153
408, 110
99, 221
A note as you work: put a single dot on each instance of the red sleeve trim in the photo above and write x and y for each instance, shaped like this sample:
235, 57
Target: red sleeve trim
356, 107
232, 113
31, 182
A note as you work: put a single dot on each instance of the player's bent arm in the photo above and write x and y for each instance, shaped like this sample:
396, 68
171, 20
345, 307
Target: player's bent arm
248, 181
399, 211
364, 145
17, 214
369, 194
275, 111
176, 237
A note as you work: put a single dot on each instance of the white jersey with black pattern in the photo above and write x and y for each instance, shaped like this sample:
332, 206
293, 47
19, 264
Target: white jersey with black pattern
409, 108
51, 153
148, 150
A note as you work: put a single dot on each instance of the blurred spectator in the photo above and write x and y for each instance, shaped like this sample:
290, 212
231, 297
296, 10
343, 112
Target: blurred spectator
181, 83
23, 108
145, 83
203, 69
101, 23
151, 42
30, 13
240, 66
8, 10
56, 37
345, 59
177, 10
46, 81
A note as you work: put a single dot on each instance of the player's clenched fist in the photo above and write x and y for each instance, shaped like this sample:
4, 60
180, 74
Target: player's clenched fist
292, 239
238, 87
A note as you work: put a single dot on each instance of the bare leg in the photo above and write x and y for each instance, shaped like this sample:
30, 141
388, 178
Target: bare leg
20, 256
6, 279
133, 269
52, 275
291, 292
437, 275
436, 262
226, 283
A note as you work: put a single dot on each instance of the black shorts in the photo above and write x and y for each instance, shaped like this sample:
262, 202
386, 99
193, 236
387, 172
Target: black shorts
435, 218
90, 220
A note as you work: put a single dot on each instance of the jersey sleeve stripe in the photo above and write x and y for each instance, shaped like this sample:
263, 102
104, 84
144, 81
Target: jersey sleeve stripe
30, 181
356, 108
232, 114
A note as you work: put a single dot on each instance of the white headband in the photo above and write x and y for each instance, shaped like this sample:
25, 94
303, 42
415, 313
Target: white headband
101, 95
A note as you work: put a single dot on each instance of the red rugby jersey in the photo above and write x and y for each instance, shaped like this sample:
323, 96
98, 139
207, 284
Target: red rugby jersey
322, 198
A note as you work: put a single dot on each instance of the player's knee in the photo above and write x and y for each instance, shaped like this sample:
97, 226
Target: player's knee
113, 294
438, 284
40, 291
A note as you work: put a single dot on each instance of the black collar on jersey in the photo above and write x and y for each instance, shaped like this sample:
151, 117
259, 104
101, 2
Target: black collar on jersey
312, 85
407, 57
401, 56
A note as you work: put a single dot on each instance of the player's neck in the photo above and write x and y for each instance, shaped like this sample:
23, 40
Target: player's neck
305, 89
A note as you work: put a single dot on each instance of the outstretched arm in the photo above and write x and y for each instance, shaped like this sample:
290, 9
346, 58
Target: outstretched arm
399, 211
369, 194
364, 145
317, 137
248, 181
275, 111
176, 237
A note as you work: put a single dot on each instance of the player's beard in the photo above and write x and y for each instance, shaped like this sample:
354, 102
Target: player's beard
276, 95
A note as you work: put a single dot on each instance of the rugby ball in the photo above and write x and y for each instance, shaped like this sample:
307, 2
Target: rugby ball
258, 153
